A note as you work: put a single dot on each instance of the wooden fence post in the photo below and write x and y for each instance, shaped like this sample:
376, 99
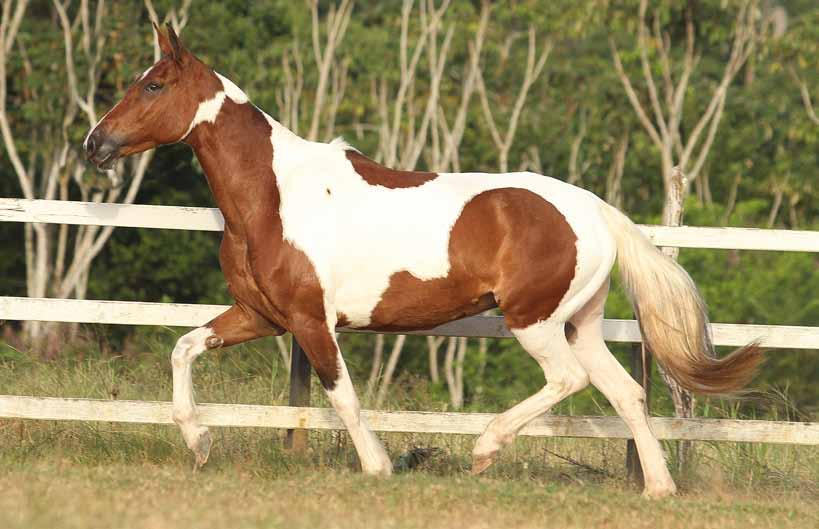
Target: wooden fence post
641, 371
300, 371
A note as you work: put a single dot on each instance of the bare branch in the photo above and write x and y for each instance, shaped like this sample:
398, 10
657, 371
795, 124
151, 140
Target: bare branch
433, 344
453, 137
13, 25
389, 370
436, 76
8, 35
574, 152
709, 140
375, 367
647, 75
632, 96
742, 47
336, 26
534, 67
806, 99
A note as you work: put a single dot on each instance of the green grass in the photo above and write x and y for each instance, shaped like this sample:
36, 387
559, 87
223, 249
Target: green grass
73, 474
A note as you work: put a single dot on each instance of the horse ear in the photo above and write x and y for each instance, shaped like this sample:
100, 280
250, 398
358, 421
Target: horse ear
163, 41
176, 45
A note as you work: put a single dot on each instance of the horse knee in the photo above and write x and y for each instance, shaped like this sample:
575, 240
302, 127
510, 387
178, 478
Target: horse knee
191, 345
630, 402
568, 381
579, 381
182, 416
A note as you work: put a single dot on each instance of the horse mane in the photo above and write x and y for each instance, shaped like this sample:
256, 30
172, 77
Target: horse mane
341, 143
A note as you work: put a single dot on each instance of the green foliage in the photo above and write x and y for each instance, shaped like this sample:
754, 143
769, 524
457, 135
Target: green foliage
766, 142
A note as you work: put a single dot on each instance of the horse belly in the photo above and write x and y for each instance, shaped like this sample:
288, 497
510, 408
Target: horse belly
410, 303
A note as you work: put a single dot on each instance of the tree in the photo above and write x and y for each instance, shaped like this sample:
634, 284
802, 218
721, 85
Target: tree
667, 104
58, 259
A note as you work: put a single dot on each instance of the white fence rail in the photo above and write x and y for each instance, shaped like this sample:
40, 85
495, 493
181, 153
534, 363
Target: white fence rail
188, 218
188, 315
250, 415
208, 219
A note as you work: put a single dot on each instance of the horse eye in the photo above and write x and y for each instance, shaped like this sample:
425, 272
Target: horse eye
153, 87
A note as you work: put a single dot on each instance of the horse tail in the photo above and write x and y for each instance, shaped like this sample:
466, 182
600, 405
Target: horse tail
672, 315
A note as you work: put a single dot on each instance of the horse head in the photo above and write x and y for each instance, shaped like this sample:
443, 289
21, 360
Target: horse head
157, 109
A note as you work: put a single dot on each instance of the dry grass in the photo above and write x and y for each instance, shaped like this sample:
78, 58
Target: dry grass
59, 493
111, 475
102, 475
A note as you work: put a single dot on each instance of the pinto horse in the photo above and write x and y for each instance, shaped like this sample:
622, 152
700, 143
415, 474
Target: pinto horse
318, 236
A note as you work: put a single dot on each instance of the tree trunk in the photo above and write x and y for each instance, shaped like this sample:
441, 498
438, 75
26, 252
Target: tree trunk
389, 370
375, 369
672, 216
433, 344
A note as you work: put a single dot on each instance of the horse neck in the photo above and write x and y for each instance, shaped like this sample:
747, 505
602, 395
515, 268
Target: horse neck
236, 154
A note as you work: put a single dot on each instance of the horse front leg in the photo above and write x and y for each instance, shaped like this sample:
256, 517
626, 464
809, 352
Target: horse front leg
235, 325
319, 343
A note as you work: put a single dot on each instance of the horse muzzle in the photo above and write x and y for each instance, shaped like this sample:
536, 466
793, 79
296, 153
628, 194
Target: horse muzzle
102, 149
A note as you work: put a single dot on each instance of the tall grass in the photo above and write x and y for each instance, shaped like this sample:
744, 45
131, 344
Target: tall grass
251, 374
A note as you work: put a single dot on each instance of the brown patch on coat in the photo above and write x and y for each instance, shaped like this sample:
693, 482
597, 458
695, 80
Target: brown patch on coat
377, 175
265, 273
342, 320
508, 246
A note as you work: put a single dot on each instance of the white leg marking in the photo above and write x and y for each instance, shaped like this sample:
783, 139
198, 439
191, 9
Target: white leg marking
627, 397
374, 459
184, 408
547, 344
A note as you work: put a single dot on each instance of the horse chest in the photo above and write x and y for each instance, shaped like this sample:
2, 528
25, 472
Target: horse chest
246, 280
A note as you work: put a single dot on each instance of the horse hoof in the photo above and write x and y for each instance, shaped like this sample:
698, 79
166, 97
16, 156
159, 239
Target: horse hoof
658, 493
201, 449
481, 463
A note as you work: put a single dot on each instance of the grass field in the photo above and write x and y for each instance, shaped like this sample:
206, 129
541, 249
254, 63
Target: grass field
66, 475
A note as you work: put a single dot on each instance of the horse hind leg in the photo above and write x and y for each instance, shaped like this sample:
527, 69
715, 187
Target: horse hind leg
626, 396
546, 342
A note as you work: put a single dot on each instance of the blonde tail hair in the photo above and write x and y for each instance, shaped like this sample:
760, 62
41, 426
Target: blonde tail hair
672, 315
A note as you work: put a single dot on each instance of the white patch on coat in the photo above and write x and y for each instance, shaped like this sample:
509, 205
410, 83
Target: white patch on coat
359, 235
233, 92
342, 144
374, 459
208, 110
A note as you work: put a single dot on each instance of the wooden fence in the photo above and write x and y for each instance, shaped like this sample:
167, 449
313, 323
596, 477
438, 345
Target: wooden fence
299, 416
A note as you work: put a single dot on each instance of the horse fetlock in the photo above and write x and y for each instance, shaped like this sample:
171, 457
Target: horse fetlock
659, 484
382, 468
481, 462
200, 443
492, 440
183, 416
487, 447
656, 491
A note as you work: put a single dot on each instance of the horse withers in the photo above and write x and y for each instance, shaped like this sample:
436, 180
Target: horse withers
318, 236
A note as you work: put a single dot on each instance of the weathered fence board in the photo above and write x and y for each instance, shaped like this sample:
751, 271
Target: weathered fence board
208, 219
247, 415
183, 315
105, 214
